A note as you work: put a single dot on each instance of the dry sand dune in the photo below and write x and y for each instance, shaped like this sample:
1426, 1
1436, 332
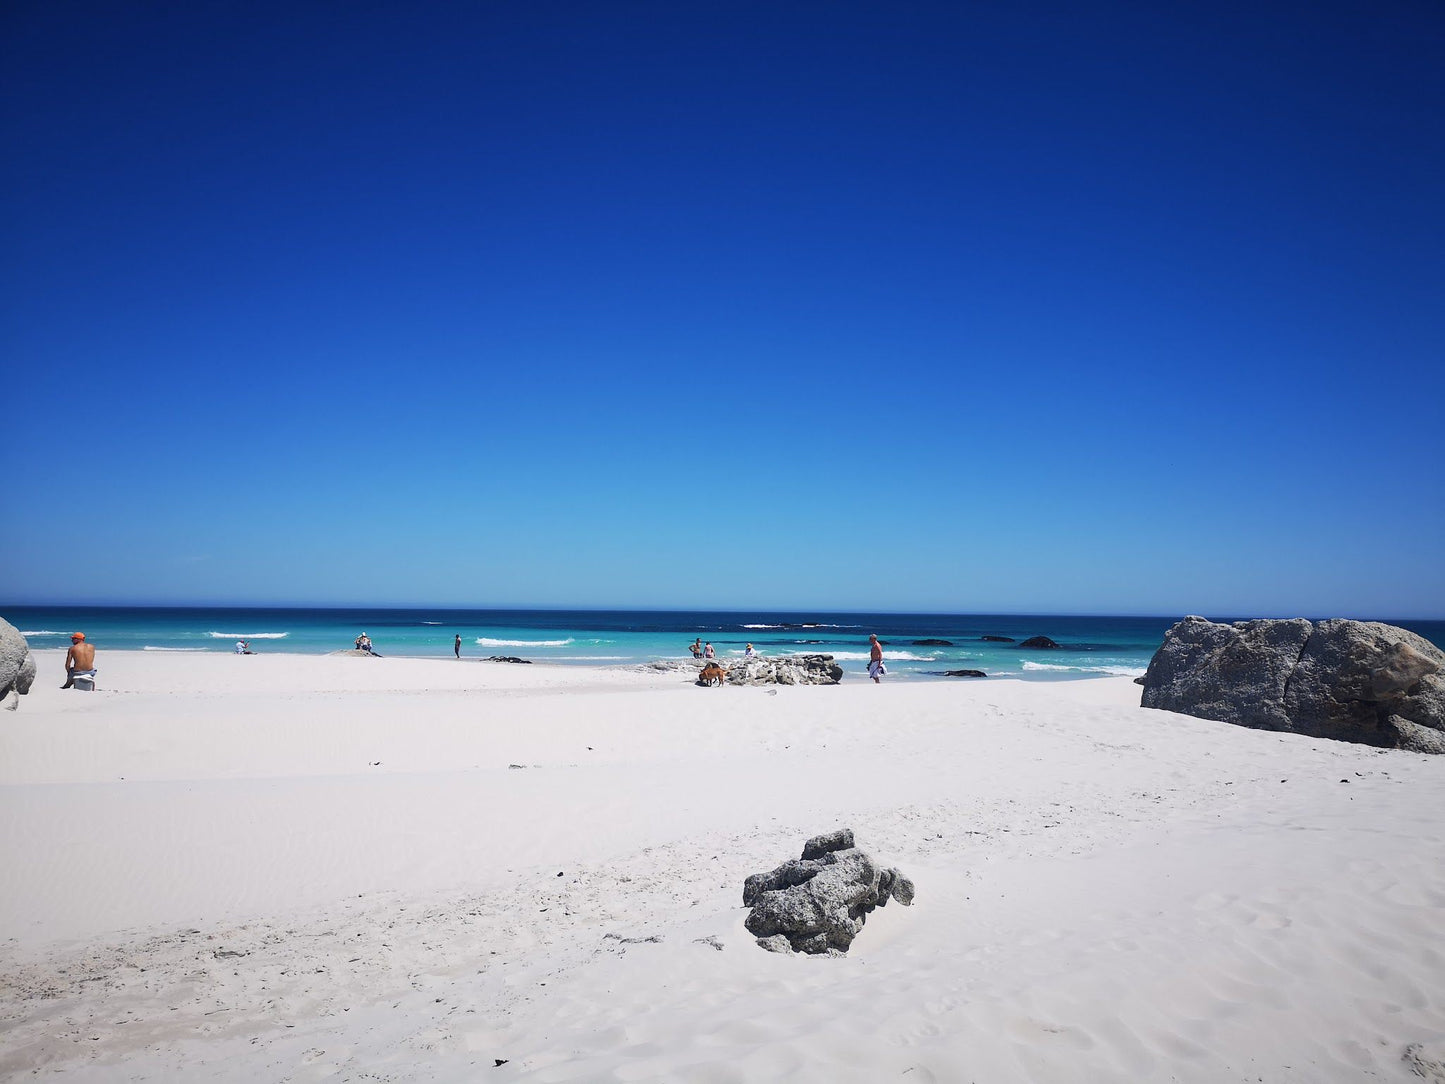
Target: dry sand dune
288, 868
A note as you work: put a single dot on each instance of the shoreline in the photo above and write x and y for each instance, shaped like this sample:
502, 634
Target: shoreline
916, 645
54, 657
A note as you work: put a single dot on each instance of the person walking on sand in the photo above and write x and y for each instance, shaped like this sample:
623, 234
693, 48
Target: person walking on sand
876, 669
457, 647
79, 660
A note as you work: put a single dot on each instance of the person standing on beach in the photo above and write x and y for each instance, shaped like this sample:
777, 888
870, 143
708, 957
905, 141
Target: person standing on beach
80, 659
696, 648
708, 652
875, 659
457, 647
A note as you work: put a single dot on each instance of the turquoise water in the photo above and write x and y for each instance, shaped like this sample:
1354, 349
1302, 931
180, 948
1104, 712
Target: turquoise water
1089, 646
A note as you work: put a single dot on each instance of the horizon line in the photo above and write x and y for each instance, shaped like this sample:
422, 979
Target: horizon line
451, 608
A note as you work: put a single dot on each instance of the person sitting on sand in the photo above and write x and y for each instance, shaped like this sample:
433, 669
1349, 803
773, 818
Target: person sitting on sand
243, 647
749, 653
711, 673
696, 648
708, 652
363, 643
876, 669
79, 660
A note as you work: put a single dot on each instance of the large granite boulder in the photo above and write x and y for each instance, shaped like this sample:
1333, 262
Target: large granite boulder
785, 670
17, 665
817, 904
1359, 681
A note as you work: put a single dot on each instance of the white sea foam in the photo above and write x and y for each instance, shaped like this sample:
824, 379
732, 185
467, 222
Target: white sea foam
248, 635
151, 647
431, 622
487, 641
42, 632
1121, 671
888, 656
802, 625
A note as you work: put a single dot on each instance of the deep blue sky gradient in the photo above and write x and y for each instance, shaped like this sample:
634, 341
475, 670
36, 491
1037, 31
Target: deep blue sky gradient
950, 307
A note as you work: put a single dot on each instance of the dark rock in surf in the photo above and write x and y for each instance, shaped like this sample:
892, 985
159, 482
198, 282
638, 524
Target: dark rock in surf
1042, 643
964, 673
998, 639
932, 643
508, 658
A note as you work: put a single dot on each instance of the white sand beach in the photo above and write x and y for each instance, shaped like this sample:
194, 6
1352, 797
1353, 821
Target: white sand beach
290, 868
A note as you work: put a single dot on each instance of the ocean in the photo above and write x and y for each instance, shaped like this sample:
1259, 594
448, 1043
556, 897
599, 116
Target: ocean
917, 646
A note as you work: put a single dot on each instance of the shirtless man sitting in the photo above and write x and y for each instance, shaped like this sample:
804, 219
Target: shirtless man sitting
80, 659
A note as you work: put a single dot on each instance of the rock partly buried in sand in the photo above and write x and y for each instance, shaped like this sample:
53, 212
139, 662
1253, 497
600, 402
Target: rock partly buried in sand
508, 658
1040, 642
786, 670
17, 666
817, 903
964, 673
1358, 681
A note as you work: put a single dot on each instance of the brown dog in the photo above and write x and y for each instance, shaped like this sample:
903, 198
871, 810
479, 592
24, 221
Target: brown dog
712, 674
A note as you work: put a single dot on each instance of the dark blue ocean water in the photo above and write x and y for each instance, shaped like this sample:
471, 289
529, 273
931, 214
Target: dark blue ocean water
1089, 646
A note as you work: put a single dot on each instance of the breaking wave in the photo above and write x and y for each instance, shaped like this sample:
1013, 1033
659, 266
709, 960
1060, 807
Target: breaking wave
248, 635
801, 625
42, 632
487, 641
1120, 671
891, 656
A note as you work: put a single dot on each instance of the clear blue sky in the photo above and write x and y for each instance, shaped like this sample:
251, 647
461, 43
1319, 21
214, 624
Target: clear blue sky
946, 306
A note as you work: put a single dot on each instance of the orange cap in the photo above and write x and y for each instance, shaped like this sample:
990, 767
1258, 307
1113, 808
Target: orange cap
77, 636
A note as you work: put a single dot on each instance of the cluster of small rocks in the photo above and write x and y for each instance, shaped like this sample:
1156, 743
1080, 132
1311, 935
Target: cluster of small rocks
17, 666
817, 904
785, 670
